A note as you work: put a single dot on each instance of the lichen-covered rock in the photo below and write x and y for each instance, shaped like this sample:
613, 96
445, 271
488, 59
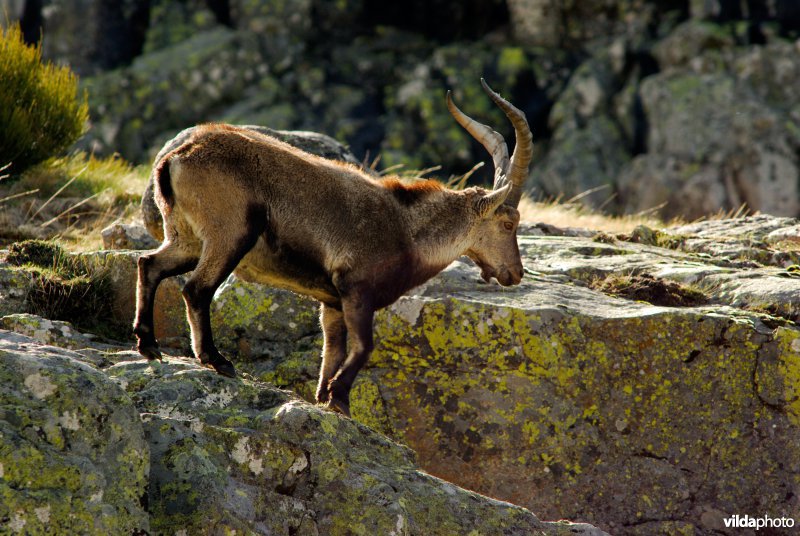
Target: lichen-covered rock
536, 21
587, 149
764, 239
239, 455
13, 288
688, 41
46, 331
168, 90
582, 160
172, 22
689, 164
258, 322
577, 393
73, 456
554, 23
198, 450
420, 130
89, 35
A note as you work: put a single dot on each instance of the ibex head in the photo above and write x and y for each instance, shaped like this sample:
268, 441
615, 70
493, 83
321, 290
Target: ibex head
495, 248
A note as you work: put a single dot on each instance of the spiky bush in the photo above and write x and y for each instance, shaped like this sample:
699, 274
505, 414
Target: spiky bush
41, 112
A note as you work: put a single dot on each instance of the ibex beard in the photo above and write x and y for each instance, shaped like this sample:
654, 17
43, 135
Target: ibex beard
234, 200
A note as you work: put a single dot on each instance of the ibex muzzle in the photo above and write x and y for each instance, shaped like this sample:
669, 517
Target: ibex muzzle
235, 200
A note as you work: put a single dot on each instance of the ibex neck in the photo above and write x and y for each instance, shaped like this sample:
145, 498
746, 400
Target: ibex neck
441, 228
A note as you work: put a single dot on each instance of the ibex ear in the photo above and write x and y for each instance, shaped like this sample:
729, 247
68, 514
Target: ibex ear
490, 202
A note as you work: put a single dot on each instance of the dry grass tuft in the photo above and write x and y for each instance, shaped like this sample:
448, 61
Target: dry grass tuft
577, 215
71, 199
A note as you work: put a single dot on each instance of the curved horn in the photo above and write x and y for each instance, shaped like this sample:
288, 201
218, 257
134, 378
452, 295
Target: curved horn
492, 141
517, 171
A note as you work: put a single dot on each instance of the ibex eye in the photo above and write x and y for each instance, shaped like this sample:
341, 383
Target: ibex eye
508, 225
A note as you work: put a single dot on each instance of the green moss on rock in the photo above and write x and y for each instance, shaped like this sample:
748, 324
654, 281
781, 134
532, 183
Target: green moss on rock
68, 463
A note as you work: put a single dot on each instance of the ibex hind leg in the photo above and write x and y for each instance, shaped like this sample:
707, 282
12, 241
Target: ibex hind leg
218, 260
334, 350
167, 261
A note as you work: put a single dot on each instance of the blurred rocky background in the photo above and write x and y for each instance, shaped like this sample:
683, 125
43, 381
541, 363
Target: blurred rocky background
679, 107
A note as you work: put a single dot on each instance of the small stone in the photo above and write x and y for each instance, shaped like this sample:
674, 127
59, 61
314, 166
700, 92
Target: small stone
127, 236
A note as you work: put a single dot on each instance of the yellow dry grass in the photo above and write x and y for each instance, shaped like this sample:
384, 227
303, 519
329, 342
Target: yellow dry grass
71, 199
581, 216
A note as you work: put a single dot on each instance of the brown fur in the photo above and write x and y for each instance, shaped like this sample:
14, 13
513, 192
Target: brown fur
236, 200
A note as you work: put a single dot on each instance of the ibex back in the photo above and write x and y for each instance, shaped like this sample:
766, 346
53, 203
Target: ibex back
234, 200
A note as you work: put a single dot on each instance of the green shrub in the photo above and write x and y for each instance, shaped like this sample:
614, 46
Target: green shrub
41, 113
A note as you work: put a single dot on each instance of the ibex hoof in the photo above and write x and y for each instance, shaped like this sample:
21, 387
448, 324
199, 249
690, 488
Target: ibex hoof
216, 361
225, 369
322, 397
221, 365
338, 406
150, 351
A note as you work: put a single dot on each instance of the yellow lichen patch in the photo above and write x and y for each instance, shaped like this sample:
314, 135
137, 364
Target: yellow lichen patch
368, 407
789, 370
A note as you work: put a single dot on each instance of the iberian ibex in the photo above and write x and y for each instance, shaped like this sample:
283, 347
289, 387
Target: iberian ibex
234, 200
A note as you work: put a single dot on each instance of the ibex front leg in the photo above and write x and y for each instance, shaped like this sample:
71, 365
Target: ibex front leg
358, 314
334, 350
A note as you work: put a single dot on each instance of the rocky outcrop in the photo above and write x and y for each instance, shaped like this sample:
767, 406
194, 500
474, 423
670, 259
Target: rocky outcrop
651, 414
129, 236
555, 23
161, 82
174, 448
688, 164
645, 383
73, 454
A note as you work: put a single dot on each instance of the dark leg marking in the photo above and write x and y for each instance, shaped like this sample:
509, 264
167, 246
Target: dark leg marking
218, 260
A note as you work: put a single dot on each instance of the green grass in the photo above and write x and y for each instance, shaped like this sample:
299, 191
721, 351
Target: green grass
112, 177
63, 287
